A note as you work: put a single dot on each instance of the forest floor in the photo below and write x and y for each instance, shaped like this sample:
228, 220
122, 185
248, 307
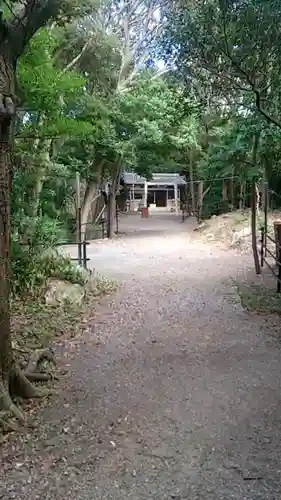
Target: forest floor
173, 390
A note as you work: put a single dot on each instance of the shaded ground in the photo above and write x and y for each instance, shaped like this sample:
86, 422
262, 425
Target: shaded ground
172, 393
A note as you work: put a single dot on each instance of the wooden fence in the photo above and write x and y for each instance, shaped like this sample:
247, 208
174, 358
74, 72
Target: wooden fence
270, 250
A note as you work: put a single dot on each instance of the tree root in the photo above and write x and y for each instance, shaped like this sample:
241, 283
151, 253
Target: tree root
7, 405
7, 425
33, 373
19, 384
40, 377
37, 357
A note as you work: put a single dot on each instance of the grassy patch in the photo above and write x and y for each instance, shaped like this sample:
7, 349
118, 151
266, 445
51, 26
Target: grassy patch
260, 299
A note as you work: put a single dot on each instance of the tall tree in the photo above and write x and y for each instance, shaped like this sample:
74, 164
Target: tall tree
15, 35
123, 33
235, 46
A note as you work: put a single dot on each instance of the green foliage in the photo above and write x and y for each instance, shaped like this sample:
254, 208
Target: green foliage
260, 299
31, 268
87, 106
35, 259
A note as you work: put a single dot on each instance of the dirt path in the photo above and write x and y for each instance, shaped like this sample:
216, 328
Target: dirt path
173, 393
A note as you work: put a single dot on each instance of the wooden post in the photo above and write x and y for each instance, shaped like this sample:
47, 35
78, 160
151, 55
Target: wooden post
232, 201
145, 194
84, 244
277, 232
265, 210
200, 200
254, 227
262, 246
277, 237
191, 182
109, 228
117, 218
78, 218
176, 198
133, 196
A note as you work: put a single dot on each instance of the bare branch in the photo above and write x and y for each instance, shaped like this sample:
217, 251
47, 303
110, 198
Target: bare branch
248, 78
77, 58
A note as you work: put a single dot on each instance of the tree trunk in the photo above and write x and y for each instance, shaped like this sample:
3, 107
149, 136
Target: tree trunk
89, 200
254, 228
90, 193
36, 192
12, 380
224, 191
242, 196
42, 165
5, 339
231, 190
254, 205
258, 200
98, 209
110, 214
111, 202
191, 183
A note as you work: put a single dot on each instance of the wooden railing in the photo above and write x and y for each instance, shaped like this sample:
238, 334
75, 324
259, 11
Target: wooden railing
266, 253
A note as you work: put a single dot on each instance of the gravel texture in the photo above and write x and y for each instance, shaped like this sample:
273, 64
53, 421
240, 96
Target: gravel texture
172, 393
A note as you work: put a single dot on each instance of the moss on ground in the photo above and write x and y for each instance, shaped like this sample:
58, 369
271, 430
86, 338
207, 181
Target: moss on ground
259, 298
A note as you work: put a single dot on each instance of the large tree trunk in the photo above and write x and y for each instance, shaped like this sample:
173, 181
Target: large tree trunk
12, 380
90, 201
19, 30
90, 193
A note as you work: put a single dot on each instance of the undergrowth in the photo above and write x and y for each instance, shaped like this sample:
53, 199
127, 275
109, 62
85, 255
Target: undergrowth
30, 271
259, 298
34, 261
35, 324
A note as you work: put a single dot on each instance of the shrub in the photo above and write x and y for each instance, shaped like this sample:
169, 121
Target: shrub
34, 258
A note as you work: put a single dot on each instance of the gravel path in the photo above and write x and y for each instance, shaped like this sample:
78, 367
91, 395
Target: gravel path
172, 393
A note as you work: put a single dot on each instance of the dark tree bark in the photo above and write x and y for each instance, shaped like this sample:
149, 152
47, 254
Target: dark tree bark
111, 201
254, 206
191, 183
34, 15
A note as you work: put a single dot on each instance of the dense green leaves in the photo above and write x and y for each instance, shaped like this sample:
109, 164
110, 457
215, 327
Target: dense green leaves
90, 104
